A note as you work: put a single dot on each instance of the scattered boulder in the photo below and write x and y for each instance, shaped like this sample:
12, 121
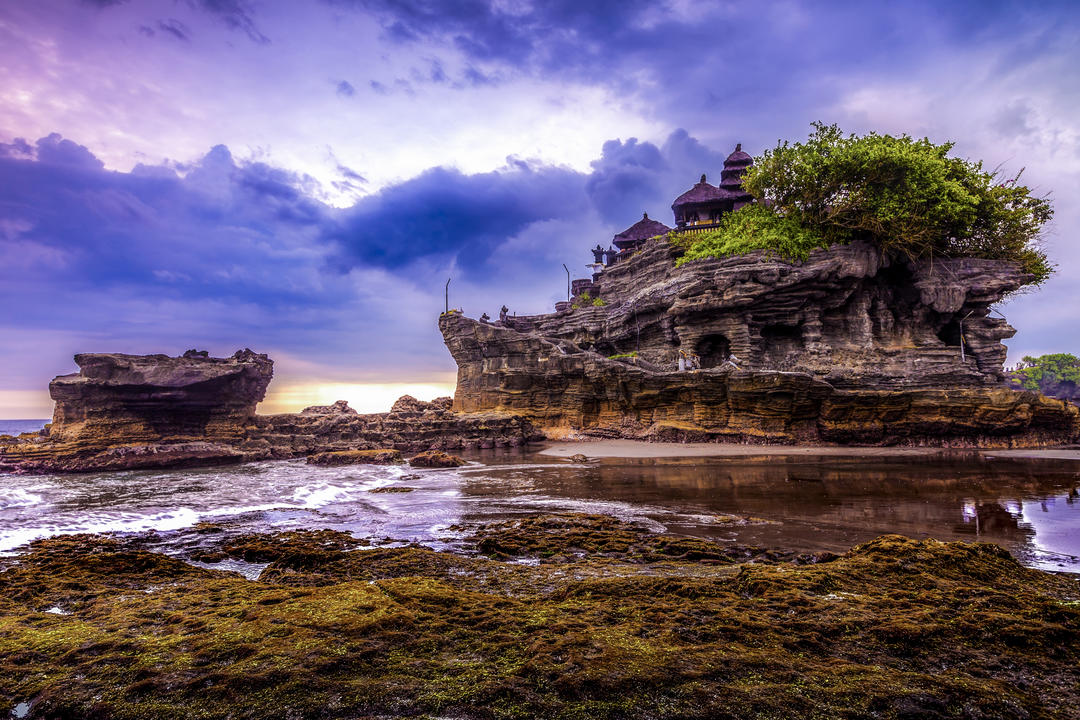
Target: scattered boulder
578, 458
341, 407
408, 405
436, 459
383, 456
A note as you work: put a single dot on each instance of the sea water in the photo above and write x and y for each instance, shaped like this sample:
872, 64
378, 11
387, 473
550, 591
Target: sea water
16, 427
804, 503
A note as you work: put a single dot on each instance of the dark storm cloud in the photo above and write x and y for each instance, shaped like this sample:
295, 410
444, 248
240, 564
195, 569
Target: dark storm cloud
445, 213
771, 67
626, 178
560, 31
56, 150
226, 230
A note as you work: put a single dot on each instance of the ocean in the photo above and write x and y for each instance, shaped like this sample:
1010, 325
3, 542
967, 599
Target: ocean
14, 427
800, 503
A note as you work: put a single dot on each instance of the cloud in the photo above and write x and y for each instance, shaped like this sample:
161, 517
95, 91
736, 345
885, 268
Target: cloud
235, 14
446, 213
175, 28
345, 89
55, 150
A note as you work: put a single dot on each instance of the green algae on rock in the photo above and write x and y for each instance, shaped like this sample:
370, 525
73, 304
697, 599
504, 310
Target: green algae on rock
382, 456
895, 628
436, 459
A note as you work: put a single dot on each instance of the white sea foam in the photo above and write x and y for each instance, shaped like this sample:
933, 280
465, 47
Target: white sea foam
18, 497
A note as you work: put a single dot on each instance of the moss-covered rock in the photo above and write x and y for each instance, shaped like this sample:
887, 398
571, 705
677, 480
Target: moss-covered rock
383, 456
436, 459
895, 628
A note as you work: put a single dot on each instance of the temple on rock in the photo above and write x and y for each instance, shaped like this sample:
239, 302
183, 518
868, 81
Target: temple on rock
699, 209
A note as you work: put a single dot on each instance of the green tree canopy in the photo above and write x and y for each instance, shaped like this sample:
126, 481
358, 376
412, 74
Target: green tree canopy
1040, 373
908, 196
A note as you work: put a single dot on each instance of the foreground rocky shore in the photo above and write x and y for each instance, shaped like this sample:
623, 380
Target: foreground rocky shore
568, 616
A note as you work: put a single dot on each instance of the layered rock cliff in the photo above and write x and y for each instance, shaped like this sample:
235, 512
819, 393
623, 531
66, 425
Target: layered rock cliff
145, 411
847, 347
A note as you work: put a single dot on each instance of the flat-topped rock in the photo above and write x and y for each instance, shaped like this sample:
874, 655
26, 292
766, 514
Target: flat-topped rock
157, 396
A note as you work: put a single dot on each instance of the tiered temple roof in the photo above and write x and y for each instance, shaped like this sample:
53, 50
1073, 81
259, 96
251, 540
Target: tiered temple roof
704, 203
696, 210
639, 232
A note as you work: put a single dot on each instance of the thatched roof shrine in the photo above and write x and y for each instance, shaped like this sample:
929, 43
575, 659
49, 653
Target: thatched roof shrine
640, 231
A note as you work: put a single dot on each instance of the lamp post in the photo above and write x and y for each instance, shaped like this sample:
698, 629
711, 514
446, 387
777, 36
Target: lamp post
447, 294
567, 281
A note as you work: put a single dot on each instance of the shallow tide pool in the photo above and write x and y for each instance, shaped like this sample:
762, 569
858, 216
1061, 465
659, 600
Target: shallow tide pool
800, 502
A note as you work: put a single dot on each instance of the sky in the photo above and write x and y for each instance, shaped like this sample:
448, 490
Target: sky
301, 178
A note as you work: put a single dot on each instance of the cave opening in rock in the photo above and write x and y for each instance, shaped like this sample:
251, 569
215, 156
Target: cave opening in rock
713, 350
950, 333
779, 341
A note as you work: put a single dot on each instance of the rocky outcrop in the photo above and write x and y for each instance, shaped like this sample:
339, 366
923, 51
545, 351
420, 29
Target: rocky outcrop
128, 411
147, 411
436, 459
408, 406
848, 315
337, 408
336, 458
848, 347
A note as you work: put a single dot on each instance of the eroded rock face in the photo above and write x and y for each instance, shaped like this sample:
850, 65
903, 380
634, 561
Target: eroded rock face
150, 397
847, 347
130, 411
848, 315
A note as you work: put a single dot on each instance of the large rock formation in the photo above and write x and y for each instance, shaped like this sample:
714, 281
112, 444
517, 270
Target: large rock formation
141, 411
149, 397
845, 347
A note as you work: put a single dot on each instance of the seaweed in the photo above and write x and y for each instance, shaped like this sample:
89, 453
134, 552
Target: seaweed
616, 622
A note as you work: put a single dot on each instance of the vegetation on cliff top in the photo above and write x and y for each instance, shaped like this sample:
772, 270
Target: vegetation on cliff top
908, 196
608, 621
754, 227
1040, 374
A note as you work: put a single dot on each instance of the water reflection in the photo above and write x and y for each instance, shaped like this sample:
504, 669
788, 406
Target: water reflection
1030, 506
803, 503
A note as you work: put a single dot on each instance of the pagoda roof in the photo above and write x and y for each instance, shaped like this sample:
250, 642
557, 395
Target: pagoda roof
703, 193
643, 229
739, 157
